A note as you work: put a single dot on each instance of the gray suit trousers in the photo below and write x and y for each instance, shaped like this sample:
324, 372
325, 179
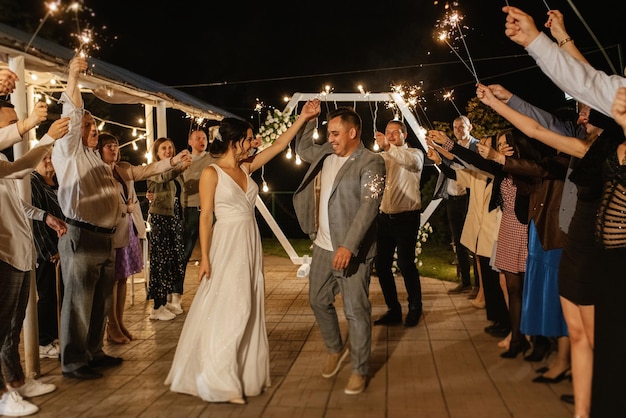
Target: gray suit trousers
353, 284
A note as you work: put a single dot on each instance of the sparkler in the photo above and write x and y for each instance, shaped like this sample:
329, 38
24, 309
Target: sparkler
52, 7
413, 96
448, 96
449, 25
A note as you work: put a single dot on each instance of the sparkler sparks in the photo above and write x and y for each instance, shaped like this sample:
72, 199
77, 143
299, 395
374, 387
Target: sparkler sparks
374, 185
448, 96
450, 28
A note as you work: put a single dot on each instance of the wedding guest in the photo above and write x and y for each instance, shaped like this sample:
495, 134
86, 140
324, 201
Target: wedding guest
399, 222
130, 227
457, 200
16, 261
480, 230
44, 186
167, 265
200, 159
88, 197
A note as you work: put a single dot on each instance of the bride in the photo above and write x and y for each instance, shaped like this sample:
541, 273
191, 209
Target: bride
223, 351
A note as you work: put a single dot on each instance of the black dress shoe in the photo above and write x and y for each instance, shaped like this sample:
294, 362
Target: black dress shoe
489, 328
413, 317
83, 373
568, 399
542, 379
498, 330
389, 318
105, 361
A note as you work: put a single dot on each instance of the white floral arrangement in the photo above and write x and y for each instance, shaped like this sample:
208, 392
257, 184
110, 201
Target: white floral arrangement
422, 236
275, 124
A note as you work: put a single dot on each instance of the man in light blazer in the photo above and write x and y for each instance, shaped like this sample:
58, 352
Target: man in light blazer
337, 204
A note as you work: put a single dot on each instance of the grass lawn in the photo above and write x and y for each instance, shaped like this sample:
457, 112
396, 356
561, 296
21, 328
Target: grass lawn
436, 258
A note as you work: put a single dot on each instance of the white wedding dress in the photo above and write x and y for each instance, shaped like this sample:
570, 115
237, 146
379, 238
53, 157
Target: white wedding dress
223, 351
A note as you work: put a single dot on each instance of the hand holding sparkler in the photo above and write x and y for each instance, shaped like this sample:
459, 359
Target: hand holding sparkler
487, 152
486, 96
500, 92
7, 81
78, 64
439, 151
556, 24
59, 128
38, 115
438, 137
520, 27
433, 155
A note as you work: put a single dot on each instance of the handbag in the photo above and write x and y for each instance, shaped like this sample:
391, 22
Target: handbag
611, 219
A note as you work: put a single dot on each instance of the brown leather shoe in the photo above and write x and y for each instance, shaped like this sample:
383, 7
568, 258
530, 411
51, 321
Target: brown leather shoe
356, 384
333, 362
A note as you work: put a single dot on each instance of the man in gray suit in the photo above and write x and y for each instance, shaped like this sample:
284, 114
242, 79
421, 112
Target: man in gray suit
336, 204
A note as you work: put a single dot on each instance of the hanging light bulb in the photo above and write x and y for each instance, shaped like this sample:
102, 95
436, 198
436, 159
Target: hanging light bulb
316, 134
135, 147
265, 188
288, 155
376, 147
134, 131
101, 126
298, 160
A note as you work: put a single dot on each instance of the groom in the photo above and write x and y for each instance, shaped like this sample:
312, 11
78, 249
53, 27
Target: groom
336, 204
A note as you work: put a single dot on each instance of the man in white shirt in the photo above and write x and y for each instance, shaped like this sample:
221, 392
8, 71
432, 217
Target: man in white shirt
398, 223
88, 196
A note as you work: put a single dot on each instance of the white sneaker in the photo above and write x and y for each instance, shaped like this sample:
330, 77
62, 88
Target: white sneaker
49, 351
12, 405
32, 388
174, 308
162, 314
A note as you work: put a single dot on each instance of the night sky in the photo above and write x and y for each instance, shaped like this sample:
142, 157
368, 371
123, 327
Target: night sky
232, 53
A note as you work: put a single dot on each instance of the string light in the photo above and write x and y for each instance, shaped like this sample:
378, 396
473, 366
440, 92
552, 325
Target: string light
288, 155
264, 187
298, 160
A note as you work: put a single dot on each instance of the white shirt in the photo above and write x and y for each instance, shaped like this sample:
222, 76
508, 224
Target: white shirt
402, 185
580, 80
87, 189
332, 165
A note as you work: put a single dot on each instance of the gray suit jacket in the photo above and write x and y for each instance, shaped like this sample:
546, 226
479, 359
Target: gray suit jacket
354, 201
